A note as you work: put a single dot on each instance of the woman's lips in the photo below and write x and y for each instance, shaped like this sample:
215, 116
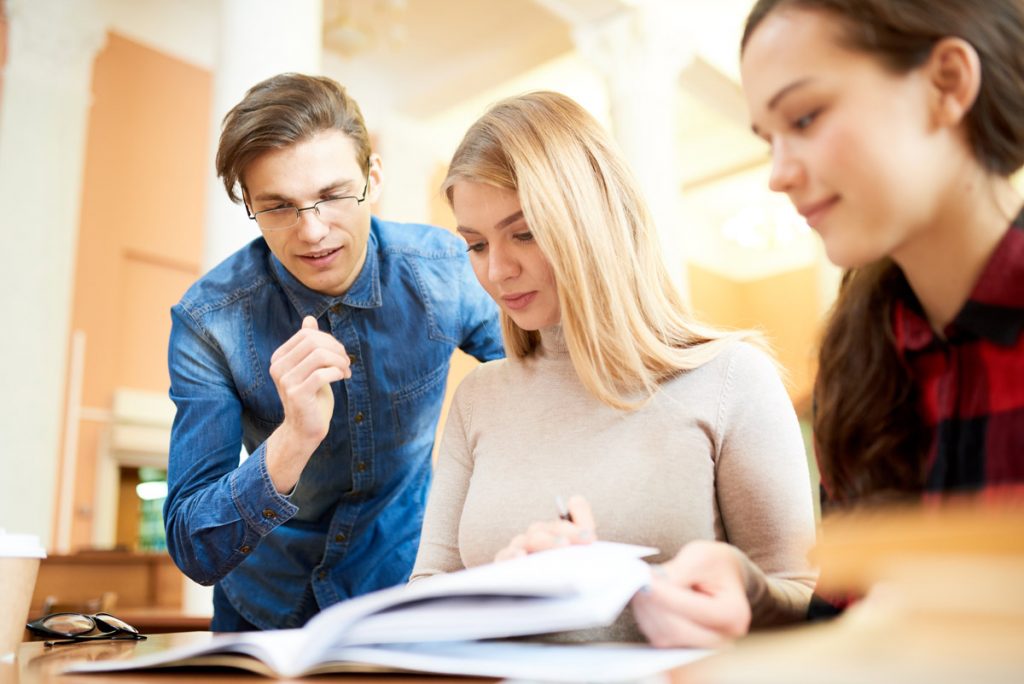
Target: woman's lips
518, 301
815, 213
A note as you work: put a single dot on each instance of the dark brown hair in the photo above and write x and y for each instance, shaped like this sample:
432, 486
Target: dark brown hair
869, 437
281, 111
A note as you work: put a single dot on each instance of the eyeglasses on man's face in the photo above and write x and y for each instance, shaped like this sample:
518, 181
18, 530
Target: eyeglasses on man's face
74, 628
329, 209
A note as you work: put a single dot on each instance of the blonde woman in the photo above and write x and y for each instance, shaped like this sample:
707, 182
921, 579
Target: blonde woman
670, 433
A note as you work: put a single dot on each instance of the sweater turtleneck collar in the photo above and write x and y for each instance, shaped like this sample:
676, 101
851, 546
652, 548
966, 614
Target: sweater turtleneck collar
552, 340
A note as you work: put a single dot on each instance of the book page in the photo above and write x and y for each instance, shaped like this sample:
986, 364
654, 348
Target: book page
488, 616
562, 589
528, 661
274, 648
601, 572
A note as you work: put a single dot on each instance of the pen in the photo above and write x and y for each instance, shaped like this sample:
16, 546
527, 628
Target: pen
563, 510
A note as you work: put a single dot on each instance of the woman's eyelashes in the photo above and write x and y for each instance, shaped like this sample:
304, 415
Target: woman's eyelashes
524, 236
803, 123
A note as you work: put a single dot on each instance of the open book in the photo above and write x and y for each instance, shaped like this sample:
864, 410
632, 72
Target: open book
435, 624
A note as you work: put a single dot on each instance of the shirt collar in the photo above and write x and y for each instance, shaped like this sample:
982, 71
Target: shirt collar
994, 310
364, 293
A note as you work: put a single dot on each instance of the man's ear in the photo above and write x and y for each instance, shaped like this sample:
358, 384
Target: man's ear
954, 72
376, 178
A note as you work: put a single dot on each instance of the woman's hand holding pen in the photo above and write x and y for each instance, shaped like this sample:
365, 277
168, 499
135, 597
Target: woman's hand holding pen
573, 526
697, 599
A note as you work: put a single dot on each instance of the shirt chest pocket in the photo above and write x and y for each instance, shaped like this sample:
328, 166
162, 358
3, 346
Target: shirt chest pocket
415, 408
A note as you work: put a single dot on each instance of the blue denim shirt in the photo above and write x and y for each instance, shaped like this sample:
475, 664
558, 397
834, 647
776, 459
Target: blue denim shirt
352, 523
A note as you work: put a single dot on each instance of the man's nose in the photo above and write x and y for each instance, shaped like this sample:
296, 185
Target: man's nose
311, 227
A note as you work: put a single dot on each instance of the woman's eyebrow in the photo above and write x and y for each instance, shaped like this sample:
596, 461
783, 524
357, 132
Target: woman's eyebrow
503, 223
774, 101
509, 220
778, 97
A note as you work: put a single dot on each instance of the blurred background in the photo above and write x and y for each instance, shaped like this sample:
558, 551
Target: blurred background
109, 208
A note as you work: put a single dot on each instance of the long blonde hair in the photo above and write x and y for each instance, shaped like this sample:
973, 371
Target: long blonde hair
626, 325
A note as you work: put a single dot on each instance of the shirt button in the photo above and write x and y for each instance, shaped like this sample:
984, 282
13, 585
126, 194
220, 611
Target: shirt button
269, 514
361, 467
336, 309
353, 359
359, 417
340, 537
245, 549
322, 574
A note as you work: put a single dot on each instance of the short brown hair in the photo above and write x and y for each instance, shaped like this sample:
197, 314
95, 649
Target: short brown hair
281, 111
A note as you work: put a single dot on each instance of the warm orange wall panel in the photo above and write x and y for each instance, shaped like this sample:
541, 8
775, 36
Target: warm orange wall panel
440, 213
462, 364
149, 289
141, 228
716, 299
143, 192
784, 307
787, 306
89, 439
148, 148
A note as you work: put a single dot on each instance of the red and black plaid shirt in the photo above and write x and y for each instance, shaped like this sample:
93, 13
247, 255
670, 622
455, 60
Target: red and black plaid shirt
972, 386
972, 383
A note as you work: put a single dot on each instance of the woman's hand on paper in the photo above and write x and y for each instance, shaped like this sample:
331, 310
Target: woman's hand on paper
697, 599
550, 534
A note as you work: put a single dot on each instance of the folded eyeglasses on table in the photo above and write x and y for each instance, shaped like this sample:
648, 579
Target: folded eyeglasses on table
73, 628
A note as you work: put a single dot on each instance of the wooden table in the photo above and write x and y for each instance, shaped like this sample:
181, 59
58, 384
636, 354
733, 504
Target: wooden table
37, 664
862, 646
946, 606
163, 620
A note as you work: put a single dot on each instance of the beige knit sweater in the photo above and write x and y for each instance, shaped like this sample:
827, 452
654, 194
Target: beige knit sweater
717, 454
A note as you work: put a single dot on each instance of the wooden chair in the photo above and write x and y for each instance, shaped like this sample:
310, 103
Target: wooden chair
104, 603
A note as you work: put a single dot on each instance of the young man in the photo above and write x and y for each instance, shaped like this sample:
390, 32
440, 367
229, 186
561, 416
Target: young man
323, 348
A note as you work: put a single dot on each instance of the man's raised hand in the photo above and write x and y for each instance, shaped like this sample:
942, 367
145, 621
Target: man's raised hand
303, 369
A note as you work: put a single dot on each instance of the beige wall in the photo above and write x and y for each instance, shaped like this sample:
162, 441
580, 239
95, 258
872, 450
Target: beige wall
140, 239
784, 307
462, 364
3, 46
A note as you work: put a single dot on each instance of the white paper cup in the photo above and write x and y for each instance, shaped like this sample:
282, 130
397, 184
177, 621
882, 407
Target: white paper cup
19, 564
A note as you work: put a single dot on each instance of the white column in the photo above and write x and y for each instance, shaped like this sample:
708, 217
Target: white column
43, 124
409, 164
640, 51
258, 38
